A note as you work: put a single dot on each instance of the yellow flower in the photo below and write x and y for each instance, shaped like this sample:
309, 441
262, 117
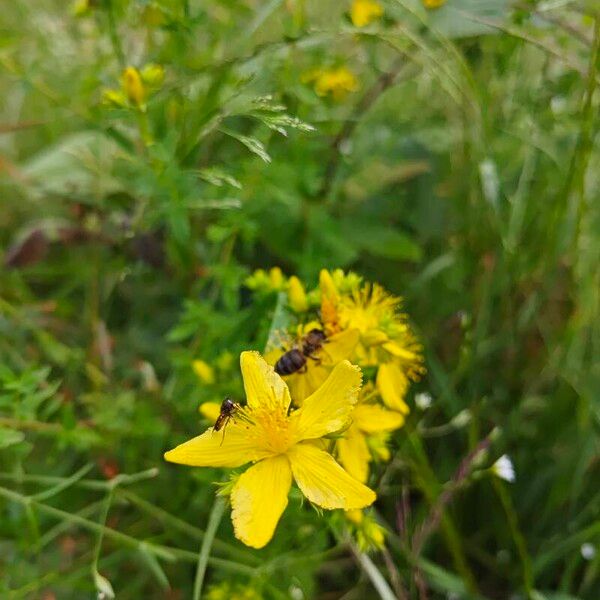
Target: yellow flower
364, 12
204, 371
282, 446
368, 420
386, 340
133, 86
306, 381
297, 295
433, 3
335, 82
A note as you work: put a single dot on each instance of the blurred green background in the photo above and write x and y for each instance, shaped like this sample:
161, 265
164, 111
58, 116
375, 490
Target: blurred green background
459, 167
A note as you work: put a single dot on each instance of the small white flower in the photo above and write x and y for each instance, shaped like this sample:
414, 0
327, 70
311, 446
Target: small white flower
588, 551
423, 400
504, 468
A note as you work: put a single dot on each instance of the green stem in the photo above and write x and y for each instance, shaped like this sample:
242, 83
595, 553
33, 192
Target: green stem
216, 514
373, 573
430, 486
519, 540
167, 553
114, 34
104, 516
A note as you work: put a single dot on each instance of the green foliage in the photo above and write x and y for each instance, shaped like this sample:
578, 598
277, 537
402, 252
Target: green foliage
463, 174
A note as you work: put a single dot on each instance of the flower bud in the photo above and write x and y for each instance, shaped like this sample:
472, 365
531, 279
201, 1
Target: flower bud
297, 295
133, 86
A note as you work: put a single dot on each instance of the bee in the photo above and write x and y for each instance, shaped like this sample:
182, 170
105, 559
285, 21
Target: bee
294, 360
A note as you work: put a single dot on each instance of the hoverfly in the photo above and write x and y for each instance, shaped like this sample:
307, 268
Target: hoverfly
294, 360
228, 409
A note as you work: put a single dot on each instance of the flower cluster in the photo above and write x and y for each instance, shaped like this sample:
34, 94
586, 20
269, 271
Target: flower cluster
136, 85
320, 406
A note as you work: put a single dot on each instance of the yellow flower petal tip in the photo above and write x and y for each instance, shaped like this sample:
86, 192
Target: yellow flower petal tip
258, 500
364, 12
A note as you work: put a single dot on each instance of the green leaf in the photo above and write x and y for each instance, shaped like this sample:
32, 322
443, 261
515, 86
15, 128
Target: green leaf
255, 146
9, 437
379, 240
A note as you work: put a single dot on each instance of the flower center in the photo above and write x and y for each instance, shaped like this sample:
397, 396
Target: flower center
272, 431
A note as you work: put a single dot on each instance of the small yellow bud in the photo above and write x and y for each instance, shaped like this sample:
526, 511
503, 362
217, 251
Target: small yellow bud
114, 98
276, 278
356, 516
153, 75
204, 371
133, 86
297, 295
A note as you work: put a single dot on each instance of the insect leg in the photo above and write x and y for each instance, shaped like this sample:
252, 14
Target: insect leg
224, 427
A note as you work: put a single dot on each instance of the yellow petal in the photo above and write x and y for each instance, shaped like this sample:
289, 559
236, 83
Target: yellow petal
264, 388
392, 384
372, 418
327, 285
398, 351
324, 482
339, 346
297, 295
374, 337
258, 500
329, 408
210, 410
353, 454
302, 385
226, 448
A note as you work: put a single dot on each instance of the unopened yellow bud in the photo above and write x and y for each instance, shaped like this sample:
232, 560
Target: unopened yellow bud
204, 371
153, 75
114, 97
356, 516
133, 86
276, 278
297, 295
